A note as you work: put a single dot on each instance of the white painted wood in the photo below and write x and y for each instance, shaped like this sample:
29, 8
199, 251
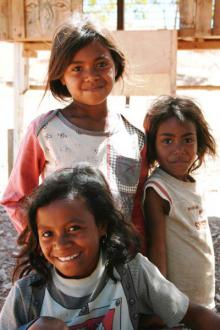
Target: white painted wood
21, 77
151, 62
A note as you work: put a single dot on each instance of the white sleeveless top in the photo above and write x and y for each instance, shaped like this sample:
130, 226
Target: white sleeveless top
190, 254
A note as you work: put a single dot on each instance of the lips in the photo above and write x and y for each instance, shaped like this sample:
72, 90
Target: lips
68, 258
93, 88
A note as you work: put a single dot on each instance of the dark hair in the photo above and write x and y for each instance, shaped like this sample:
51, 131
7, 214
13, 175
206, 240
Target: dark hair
68, 40
87, 182
182, 108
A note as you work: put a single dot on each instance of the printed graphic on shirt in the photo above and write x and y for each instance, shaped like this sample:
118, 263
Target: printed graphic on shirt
109, 310
104, 322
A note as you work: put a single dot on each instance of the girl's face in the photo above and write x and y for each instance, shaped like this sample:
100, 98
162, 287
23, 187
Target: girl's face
176, 147
69, 237
91, 75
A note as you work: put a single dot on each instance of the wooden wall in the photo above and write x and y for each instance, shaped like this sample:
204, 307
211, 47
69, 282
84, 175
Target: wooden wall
151, 62
34, 20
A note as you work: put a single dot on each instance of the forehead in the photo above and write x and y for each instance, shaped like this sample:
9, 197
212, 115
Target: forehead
174, 124
94, 49
63, 210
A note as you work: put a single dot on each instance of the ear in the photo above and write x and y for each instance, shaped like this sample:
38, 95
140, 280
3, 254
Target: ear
102, 231
63, 82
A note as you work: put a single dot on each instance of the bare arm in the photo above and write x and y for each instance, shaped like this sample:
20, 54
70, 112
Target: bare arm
200, 318
46, 322
155, 209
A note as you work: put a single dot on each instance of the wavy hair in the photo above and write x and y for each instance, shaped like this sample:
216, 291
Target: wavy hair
82, 181
69, 38
182, 108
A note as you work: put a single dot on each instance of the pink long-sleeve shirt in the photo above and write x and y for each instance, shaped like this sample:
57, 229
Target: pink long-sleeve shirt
52, 143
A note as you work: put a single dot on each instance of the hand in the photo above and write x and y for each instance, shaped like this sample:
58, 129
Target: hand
47, 323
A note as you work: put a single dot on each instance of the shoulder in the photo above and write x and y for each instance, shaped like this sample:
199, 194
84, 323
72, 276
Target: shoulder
26, 283
128, 122
159, 184
39, 122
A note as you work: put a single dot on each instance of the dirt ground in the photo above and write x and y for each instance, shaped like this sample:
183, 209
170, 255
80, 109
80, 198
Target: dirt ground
8, 243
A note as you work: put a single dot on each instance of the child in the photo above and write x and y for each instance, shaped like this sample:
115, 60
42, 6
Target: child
179, 237
83, 68
78, 262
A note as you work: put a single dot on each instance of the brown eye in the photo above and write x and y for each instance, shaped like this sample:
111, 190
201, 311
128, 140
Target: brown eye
74, 228
46, 234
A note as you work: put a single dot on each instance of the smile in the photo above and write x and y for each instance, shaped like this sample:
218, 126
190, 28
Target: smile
68, 258
93, 88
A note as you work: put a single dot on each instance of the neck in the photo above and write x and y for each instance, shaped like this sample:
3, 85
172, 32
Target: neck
96, 112
94, 117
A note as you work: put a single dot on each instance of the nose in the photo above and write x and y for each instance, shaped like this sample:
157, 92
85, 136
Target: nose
62, 241
91, 74
179, 148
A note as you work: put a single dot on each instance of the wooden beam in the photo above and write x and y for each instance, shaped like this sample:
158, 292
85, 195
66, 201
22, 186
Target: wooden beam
216, 26
21, 84
4, 20
77, 5
18, 19
199, 44
31, 48
199, 87
10, 150
120, 14
203, 18
187, 9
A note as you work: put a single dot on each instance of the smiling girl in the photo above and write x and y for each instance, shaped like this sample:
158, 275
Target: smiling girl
85, 63
180, 242
79, 265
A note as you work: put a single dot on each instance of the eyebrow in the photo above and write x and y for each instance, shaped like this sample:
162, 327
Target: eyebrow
170, 134
74, 221
101, 57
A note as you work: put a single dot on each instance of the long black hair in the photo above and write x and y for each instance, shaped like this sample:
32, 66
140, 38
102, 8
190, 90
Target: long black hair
83, 181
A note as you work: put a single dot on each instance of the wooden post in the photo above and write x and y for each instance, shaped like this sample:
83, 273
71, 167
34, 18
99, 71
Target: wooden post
216, 28
4, 20
18, 19
21, 75
187, 10
203, 18
120, 14
10, 150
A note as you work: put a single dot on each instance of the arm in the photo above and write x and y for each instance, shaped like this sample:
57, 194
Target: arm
198, 317
14, 311
155, 209
137, 214
24, 177
46, 322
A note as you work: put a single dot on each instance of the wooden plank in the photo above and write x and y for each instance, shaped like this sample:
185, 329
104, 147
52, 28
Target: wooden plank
77, 5
31, 48
43, 17
21, 75
187, 9
10, 150
203, 18
195, 44
216, 27
199, 87
18, 19
120, 14
4, 20
151, 66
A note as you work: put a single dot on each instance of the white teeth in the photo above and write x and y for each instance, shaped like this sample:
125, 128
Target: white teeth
68, 258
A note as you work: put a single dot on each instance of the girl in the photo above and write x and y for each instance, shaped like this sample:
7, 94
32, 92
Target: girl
78, 262
83, 68
180, 242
